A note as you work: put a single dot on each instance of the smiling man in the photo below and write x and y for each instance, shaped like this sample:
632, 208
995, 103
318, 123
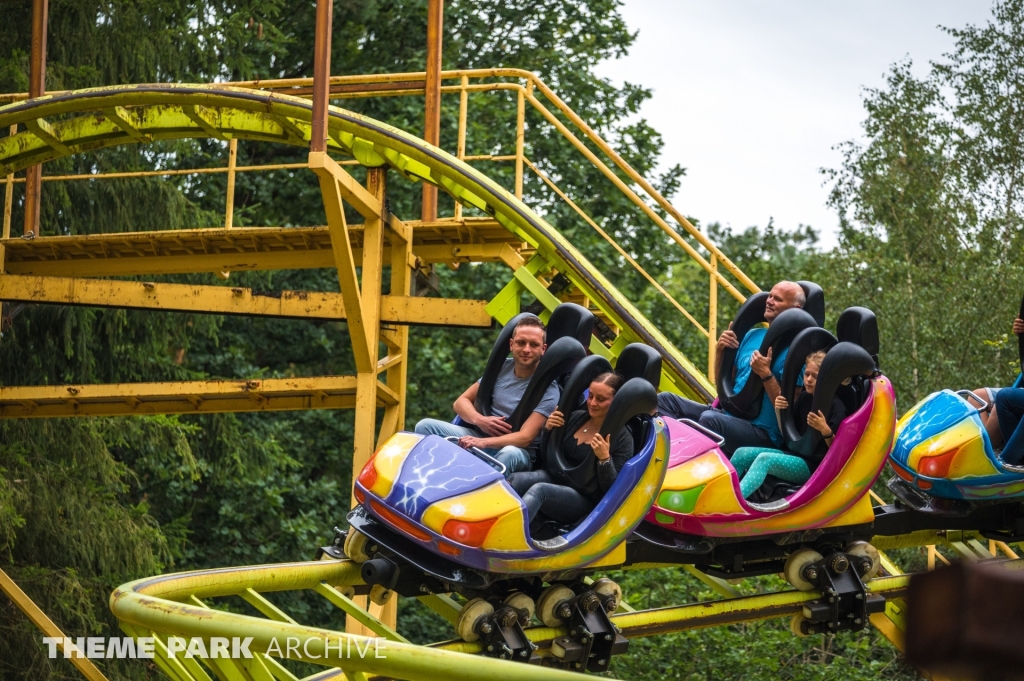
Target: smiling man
493, 434
763, 430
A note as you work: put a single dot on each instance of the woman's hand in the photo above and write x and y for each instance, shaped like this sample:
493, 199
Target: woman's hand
817, 421
556, 420
1018, 326
781, 403
601, 447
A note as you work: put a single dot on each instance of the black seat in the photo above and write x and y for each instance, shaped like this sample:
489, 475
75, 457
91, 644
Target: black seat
640, 361
573, 321
630, 408
636, 397
815, 303
750, 314
567, 320
495, 361
582, 375
746, 402
579, 380
772, 489
637, 363
559, 359
805, 342
844, 361
859, 325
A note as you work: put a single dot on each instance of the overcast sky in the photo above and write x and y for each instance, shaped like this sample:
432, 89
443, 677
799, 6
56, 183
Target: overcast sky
751, 95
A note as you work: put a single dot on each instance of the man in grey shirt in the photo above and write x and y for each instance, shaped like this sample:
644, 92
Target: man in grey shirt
514, 449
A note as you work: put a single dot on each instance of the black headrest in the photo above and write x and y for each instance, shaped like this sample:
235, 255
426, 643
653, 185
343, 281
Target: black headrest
640, 361
784, 328
746, 402
750, 314
843, 361
560, 358
496, 360
806, 342
573, 321
636, 396
815, 304
580, 379
859, 325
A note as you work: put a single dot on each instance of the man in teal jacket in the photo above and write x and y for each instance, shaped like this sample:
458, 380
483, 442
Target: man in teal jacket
750, 364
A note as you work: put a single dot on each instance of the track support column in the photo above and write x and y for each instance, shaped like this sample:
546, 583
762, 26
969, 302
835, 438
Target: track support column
363, 307
36, 88
365, 429
396, 338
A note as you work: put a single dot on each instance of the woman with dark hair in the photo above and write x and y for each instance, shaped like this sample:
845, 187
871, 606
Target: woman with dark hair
595, 460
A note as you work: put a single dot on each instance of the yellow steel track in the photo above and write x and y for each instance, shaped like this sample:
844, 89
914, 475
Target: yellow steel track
174, 605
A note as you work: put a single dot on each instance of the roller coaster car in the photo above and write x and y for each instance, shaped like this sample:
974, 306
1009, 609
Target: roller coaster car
701, 514
448, 512
436, 518
944, 460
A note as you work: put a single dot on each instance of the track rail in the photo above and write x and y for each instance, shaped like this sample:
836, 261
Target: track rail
171, 605
117, 115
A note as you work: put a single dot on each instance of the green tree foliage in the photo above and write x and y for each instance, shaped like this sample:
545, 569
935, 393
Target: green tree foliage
931, 213
75, 498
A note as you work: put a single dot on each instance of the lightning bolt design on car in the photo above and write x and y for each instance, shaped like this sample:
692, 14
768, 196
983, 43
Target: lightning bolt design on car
436, 470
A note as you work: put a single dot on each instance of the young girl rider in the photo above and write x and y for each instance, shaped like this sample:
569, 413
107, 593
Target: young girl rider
754, 464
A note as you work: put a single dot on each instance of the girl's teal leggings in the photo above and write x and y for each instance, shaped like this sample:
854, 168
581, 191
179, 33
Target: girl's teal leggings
754, 464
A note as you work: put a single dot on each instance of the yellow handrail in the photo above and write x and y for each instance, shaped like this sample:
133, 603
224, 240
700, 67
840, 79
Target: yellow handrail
532, 79
621, 251
526, 91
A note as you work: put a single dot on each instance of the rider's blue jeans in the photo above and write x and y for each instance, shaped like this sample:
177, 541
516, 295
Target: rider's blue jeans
736, 431
1010, 408
515, 458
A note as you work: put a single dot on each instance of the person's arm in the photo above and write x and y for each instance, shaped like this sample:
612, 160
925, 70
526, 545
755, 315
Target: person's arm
761, 365
726, 340
817, 421
493, 426
521, 438
836, 416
